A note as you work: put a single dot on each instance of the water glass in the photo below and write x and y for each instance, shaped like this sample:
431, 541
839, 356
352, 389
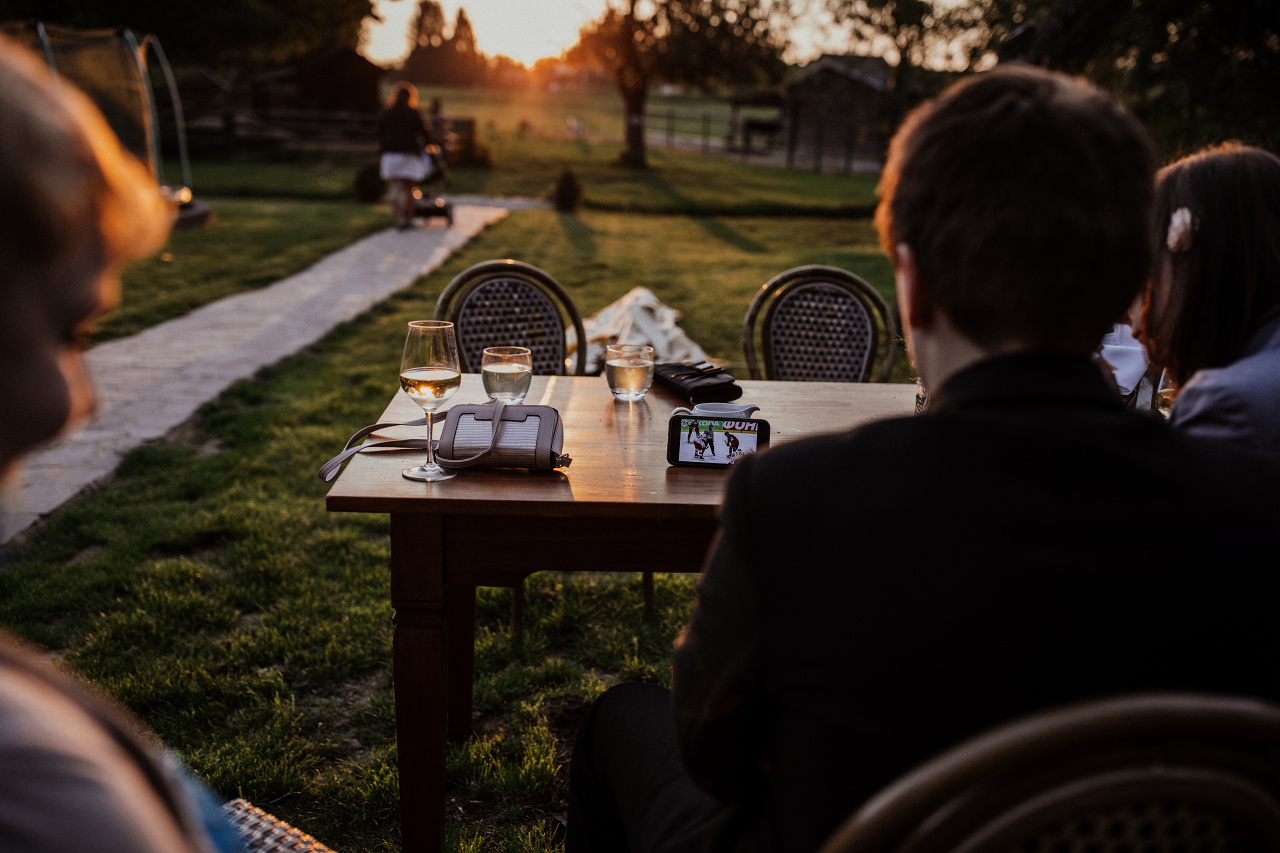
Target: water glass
506, 373
628, 368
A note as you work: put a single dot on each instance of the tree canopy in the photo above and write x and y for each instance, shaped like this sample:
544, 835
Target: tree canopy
1196, 71
700, 43
438, 56
224, 35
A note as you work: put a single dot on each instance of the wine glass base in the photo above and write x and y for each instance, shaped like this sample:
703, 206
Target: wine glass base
428, 473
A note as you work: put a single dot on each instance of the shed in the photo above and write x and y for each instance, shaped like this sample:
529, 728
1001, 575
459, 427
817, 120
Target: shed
335, 79
836, 108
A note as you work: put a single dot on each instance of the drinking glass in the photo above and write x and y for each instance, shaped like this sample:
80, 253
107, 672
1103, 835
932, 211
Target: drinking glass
506, 373
429, 374
1166, 393
628, 368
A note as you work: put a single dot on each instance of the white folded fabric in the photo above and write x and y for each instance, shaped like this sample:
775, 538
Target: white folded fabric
1126, 355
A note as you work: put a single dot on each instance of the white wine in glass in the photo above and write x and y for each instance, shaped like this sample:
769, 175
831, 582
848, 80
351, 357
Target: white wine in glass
429, 374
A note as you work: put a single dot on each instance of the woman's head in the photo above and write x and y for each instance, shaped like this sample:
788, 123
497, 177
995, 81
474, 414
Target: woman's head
403, 93
74, 207
1217, 273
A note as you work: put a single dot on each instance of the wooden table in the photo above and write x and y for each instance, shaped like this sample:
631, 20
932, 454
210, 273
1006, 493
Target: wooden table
494, 528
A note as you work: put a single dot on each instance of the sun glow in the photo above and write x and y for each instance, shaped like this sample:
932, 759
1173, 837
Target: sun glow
525, 30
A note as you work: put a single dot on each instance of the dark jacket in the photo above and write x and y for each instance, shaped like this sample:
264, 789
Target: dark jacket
401, 130
879, 595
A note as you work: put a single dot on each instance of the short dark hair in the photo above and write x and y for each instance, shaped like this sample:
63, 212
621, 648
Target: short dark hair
1226, 282
1026, 198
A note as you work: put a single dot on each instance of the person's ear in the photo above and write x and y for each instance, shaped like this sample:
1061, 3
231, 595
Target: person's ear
915, 300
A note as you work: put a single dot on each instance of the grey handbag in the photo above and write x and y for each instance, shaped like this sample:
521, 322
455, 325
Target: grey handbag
526, 437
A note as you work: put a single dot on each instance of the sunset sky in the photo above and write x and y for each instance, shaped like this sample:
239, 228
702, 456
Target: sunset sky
527, 30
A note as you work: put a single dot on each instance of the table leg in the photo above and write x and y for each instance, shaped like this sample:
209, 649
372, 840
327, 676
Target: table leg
418, 659
461, 619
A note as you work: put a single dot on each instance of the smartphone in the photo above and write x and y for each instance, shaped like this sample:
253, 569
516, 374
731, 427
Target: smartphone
706, 442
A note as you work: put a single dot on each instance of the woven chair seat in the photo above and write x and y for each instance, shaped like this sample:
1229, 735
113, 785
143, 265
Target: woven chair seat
1148, 773
266, 833
820, 324
507, 303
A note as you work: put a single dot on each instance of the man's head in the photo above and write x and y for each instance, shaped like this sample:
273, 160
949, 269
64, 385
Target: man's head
73, 207
1021, 199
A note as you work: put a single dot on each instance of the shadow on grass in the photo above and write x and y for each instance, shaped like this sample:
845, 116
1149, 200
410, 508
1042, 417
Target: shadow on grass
726, 233
579, 234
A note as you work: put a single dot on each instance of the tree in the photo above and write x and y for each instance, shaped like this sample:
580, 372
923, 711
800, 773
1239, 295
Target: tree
440, 58
920, 33
427, 36
464, 63
1196, 72
427, 27
702, 43
226, 36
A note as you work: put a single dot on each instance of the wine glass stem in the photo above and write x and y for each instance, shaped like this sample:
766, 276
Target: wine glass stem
431, 455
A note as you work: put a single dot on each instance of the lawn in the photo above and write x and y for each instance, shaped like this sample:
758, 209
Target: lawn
528, 165
205, 586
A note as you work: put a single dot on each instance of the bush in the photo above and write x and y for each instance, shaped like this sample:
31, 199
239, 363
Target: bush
567, 193
370, 188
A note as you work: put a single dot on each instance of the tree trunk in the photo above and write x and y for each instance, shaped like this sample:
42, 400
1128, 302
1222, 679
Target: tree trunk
634, 98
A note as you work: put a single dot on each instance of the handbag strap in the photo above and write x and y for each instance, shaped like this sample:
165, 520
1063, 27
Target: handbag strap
498, 406
329, 470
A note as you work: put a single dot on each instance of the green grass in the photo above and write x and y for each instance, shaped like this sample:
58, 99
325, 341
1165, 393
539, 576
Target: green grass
205, 586
677, 182
248, 244
549, 113
707, 267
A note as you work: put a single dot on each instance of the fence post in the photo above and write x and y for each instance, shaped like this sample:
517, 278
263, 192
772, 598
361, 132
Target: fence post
818, 143
848, 147
671, 128
706, 133
793, 131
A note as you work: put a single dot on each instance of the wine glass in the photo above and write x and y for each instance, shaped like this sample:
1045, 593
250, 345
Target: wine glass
1166, 393
506, 373
429, 374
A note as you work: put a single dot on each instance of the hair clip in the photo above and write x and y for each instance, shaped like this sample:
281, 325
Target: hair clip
1180, 225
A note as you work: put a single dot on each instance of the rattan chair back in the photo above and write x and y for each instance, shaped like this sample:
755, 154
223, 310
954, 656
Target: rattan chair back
265, 833
820, 324
509, 303
1157, 773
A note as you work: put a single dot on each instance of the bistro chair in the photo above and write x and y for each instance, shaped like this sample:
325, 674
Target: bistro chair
266, 833
820, 324
1155, 773
509, 303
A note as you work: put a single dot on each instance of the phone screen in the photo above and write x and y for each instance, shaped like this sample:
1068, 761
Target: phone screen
713, 442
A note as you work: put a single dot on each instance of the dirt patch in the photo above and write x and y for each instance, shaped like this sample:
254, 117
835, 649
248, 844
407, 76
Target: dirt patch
88, 554
186, 435
336, 709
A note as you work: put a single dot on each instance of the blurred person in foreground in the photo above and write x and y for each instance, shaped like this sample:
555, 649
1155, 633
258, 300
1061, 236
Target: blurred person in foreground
1212, 310
77, 772
879, 595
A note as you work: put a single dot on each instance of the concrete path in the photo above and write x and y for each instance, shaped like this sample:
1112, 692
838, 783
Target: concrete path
149, 383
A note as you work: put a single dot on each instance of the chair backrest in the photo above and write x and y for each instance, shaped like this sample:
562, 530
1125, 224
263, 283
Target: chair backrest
509, 303
1156, 773
820, 324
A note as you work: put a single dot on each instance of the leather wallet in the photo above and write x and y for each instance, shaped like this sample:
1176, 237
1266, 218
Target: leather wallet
697, 382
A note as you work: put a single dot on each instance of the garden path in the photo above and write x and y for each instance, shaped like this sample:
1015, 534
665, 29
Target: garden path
151, 382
